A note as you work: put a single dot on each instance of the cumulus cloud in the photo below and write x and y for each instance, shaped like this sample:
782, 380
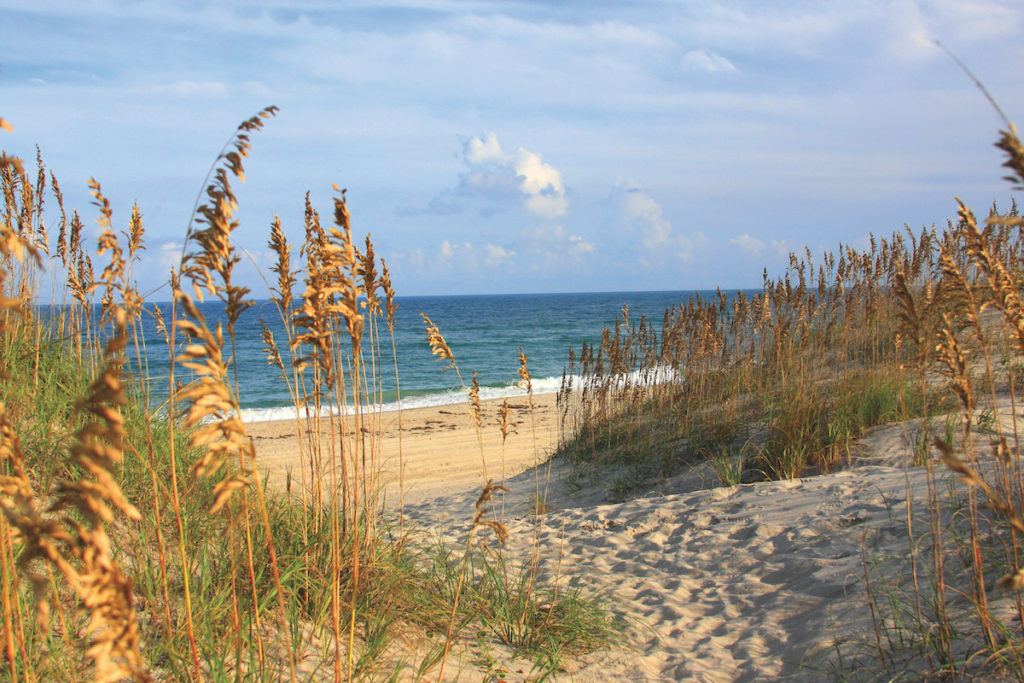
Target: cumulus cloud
467, 256
748, 243
755, 247
446, 250
703, 60
416, 259
449, 251
579, 245
482, 150
644, 217
541, 184
554, 245
168, 255
641, 210
495, 255
495, 180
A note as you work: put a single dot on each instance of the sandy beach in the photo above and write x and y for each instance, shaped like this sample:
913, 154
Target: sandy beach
439, 446
711, 583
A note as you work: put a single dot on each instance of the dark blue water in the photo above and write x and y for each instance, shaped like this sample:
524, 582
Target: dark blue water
485, 333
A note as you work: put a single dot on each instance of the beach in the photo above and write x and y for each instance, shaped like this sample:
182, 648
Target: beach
512, 342
710, 582
440, 446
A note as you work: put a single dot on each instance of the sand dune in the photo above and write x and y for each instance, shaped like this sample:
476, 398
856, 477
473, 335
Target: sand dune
742, 583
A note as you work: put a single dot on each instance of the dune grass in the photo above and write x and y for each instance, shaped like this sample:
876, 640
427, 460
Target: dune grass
140, 540
923, 328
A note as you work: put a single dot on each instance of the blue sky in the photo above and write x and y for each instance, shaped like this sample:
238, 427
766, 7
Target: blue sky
527, 146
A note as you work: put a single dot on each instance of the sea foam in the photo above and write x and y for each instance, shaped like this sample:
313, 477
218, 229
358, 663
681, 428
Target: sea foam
546, 385
542, 385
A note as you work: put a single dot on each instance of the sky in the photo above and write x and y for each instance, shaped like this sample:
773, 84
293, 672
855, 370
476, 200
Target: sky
525, 146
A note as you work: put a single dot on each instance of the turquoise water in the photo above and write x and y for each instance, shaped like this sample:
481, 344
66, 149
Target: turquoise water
485, 333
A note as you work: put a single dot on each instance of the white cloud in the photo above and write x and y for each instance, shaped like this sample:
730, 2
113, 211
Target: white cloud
446, 250
765, 25
755, 247
465, 256
416, 259
703, 60
189, 88
748, 243
643, 211
580, 245
610, 35
914, 27
496, 255
644, 215
483, 149
168, 255
494, 180
687, 245
554, 246
542, 185
977, 20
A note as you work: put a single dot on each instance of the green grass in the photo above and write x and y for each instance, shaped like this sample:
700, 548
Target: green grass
799, 427
648, 444
532, 617
813, 426
403, 587
728, 467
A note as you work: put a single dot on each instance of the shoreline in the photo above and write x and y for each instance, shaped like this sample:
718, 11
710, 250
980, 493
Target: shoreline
436, 399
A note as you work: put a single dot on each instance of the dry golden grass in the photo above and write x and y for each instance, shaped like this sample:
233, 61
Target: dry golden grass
239, 581
787, 379
151, 536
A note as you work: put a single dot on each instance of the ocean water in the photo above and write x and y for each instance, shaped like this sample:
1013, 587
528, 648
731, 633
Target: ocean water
485, 332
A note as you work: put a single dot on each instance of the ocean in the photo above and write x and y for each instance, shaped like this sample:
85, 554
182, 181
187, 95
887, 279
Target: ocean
485, 332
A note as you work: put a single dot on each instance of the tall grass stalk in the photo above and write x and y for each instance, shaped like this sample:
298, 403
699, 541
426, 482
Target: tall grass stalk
144, 531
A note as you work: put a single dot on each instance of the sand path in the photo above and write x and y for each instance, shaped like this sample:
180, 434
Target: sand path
742, 583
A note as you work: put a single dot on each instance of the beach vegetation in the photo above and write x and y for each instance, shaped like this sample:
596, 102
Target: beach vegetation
141, 539
920, 328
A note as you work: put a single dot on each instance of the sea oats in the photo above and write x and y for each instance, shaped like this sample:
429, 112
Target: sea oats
435, 340
282, 267
503, 420
474, 401
390, 307
524, 373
